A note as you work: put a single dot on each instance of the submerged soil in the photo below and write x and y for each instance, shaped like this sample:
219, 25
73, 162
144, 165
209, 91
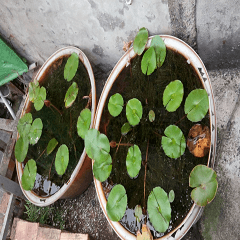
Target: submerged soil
62, 127
170, 174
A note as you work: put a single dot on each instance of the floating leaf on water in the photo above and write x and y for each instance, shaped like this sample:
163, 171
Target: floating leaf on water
29, 175
199, 140
140, 41
138, 213
96, 144
151, 116
102, 168
71, 95
160, 49
21, 148
126, 127
116, 203
174, 143
148, 64
171, 196
35, 131
115, 104
146, 233
203, 180
134, 111
159, 209
62, 159
40, 98
51, 145
196, 105
173, 95
24, 124
71, 67
84, 122
33, 90
133, 161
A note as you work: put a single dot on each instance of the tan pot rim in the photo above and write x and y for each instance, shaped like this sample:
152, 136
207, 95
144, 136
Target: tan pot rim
30, 195
193, 59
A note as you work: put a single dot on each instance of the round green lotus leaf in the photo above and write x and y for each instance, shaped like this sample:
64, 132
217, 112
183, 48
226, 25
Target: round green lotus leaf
171, 196
126, 127
151, 115
134, 111
35, 131
21, 148
116, 203
115, 104
148, 63
71, 67
133, 161
196, 105
29, 175
62, 159
51, 145
103, 167
173, 95
159, 209
71, 95
96, 144
203, 180
40, 98
24, 124
173, 144
138, 213
140, 41
84, 122
33, 90
160, 49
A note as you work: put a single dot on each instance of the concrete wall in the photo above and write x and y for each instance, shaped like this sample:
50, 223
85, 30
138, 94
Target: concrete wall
38, 28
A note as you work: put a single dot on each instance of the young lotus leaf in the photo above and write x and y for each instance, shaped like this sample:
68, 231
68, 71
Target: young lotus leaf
203, 180
71, 67
140, 41
171, 196
173, 95
174, 144
33, 90
148, 64
51, 145
115, 104
21, 148
196, 105
126, 127
39, 101
35, 131
71, 95
29, 175
84, 122
133, 161
159, 209
116, 203
96, 144
62, 159
24, 124
134, 111
138, 213
102, 168
160, 50
151, 115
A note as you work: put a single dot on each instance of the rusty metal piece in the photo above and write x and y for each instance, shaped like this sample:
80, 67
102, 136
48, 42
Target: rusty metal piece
199, 140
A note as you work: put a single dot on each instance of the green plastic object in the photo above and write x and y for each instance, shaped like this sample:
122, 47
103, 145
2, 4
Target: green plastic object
10, 64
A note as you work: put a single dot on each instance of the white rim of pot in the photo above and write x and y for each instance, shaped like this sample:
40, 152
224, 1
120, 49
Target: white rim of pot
192, 58
30, 195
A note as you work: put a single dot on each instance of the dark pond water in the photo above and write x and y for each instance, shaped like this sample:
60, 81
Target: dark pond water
63, 128
161, 170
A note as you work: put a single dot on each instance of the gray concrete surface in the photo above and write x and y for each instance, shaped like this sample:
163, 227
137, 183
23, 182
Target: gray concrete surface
218, 31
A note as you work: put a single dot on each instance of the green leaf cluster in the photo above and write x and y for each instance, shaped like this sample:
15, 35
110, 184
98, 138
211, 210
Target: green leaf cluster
37, 95
29, 175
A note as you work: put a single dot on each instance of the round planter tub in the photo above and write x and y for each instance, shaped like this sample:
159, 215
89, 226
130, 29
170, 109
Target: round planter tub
82, 174
181, 47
